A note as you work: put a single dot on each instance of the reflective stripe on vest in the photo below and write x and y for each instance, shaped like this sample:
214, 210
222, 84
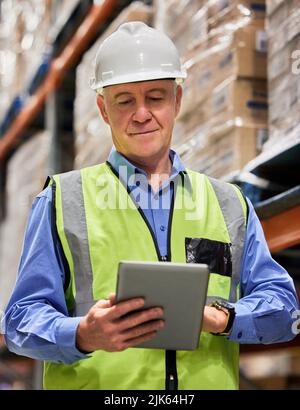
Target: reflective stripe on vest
76, 233
235, 221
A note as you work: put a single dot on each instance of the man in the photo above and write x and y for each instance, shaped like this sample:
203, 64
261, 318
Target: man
142, 204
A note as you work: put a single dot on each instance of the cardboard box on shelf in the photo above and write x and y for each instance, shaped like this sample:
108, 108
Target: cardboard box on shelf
284, 101
201, 158
237, 101
278, 64
283, 26
278, 39
285, 63
221, 12
172, 16
246, 56
272, 5
277, 18
228, 149
190, 30
244, 101
293, 6
283, 75
242, 53
213, 18
294, 23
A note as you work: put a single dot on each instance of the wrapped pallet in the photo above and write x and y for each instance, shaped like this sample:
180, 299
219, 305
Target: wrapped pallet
27, 29
26, 175
224, 115
223, 150
191, 22
283, 28
93, 138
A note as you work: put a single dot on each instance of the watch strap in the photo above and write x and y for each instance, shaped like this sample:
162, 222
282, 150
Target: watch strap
230, 312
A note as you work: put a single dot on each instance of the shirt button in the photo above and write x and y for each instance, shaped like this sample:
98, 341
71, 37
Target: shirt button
162, 228
239, 335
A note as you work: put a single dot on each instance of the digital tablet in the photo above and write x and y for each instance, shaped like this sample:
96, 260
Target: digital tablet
180, 288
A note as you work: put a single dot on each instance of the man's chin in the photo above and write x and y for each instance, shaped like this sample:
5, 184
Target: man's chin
148, 153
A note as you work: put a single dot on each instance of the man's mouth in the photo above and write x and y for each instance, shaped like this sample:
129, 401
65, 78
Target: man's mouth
142, 132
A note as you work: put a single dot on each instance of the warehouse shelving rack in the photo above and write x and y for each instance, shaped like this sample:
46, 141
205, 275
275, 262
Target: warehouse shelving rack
273, 181
40, 108
47, 103
279, 213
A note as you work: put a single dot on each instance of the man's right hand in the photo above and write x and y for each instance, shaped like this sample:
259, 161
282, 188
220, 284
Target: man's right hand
105, 327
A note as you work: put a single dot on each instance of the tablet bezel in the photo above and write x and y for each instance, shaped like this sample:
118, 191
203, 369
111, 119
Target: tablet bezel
165, 284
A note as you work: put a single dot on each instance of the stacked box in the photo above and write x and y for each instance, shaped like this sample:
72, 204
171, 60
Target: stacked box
225, 93
245, 102
26, 174
93, 137
27, 29
191, 22
221, 12
230, 148
283, 28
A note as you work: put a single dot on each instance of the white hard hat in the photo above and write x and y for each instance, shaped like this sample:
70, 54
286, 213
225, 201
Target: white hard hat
136, 52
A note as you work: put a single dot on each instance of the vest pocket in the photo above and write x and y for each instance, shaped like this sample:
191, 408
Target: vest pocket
217, 255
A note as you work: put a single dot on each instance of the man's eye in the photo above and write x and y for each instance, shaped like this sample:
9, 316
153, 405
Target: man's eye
124, 102
155, 98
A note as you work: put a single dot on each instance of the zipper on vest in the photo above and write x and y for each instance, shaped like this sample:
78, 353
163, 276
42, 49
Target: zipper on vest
171, 382
170, 355
171, 370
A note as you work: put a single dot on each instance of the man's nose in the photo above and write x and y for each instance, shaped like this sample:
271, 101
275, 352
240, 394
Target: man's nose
142, 114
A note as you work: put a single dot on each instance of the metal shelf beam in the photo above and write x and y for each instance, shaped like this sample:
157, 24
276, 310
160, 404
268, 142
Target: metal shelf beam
283, 230
59, 66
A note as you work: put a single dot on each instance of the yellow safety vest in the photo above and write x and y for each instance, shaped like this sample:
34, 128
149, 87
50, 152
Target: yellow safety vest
96, 230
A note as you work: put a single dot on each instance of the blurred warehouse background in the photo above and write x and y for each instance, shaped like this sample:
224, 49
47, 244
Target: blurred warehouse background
240, 122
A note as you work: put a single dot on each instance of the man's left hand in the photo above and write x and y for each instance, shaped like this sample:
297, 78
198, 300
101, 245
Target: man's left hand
214, 320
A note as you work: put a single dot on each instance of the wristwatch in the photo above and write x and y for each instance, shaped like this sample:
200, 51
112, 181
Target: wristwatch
229, 311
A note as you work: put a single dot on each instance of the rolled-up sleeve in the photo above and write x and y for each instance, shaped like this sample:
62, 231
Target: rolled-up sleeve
36, 321
268, 296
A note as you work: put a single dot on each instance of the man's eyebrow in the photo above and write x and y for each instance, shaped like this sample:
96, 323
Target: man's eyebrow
128, 93
162, 90
122, 93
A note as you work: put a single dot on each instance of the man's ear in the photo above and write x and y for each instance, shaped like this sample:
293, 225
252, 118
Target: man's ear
178, 98
101, 106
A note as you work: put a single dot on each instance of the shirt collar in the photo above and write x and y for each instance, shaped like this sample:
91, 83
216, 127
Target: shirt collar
117, 160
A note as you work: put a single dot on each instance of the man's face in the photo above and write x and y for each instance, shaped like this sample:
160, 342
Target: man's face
141, 116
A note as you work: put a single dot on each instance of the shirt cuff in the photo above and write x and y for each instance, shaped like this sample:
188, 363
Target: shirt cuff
243, 329
66, 340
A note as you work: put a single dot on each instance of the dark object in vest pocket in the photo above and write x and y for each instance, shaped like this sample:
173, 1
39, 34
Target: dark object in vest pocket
217, 255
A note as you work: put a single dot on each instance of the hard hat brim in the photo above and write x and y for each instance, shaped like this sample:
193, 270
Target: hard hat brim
137, 77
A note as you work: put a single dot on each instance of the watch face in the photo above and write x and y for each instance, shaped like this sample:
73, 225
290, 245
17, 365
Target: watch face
226, 305
223, 304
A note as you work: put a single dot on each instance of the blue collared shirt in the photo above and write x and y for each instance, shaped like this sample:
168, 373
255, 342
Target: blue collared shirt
36, 321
